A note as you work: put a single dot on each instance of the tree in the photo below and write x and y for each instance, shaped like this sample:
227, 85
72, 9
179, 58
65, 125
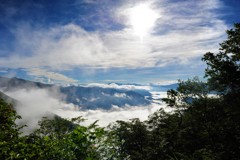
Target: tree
86, 141
164, 130
209, 126
129, 140
10, 142
187, 93
223, 70
223, 73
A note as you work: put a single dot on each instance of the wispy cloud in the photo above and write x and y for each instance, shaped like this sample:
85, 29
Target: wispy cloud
185, 30
52, 76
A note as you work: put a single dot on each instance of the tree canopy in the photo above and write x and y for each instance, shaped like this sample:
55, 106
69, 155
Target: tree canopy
223, 68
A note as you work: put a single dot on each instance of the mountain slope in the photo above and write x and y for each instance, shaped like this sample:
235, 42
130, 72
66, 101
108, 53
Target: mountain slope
86, 97
7, 99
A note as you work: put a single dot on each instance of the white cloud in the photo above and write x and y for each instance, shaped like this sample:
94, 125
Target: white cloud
105, 117
90, 1
50, 75
120, 95
33, 104
123, 86
186, 29
165, 82
3, 71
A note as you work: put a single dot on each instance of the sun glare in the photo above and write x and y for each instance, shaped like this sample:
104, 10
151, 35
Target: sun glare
142, 19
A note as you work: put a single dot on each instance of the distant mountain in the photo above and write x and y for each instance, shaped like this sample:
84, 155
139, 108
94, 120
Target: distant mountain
9, 84
96, 97
151, 86
86, 97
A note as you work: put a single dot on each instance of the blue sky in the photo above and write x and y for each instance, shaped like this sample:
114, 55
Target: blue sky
125, 41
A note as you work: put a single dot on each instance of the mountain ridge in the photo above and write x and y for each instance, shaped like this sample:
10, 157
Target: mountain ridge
83, 96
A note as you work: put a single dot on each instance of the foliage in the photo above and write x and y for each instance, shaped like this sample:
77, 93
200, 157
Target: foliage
223, 69
187, 93
132, 139
55, 139
10, 143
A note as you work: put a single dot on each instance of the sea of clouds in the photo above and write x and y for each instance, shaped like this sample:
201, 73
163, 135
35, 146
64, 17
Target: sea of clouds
33, 104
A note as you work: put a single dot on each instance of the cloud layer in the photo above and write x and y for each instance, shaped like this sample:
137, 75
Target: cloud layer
183, 31
105, 117
33, 104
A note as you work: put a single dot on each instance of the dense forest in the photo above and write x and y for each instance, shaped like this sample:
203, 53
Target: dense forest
204, 123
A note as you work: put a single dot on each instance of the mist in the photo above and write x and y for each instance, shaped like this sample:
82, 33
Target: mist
105, 117
33, 104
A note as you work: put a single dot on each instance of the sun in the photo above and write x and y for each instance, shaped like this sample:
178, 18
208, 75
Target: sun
142, 19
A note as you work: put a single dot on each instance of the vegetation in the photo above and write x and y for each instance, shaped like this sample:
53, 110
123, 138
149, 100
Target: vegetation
201, 127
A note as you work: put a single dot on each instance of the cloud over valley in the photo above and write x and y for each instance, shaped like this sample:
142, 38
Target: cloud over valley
106, 103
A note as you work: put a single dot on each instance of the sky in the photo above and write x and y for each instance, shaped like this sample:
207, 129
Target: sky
103, 41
